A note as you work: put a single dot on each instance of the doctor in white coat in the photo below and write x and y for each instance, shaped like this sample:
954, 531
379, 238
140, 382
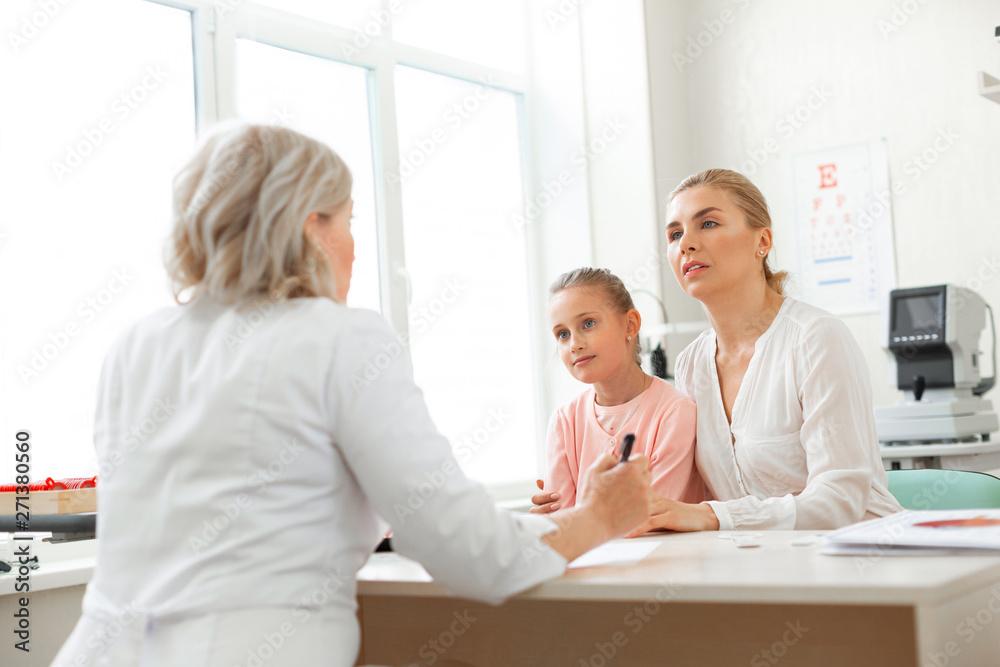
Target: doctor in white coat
248, 450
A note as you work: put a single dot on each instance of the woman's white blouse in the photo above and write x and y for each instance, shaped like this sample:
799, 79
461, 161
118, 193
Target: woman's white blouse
802, 451
245, 460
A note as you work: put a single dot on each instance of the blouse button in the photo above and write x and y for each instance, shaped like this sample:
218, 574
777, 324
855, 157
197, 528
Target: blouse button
613, 441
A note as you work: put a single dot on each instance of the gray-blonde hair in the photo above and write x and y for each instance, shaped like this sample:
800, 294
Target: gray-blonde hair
748, 199
602, 279
239, 212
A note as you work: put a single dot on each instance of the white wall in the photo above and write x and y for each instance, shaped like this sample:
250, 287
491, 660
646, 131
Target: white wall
885, 73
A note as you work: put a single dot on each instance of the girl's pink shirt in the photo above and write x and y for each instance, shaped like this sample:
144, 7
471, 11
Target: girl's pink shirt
664, 425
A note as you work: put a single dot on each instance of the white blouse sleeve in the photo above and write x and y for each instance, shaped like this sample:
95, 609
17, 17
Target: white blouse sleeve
837, 435
439, 517
682, 373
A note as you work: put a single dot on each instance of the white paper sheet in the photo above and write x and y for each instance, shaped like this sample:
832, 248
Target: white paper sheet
920, 532
616, 554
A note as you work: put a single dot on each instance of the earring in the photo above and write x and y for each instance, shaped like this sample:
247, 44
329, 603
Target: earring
762, 252
629, 338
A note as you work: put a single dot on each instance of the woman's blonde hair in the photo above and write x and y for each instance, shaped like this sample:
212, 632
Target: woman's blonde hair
239, 212
607, 282
748, 198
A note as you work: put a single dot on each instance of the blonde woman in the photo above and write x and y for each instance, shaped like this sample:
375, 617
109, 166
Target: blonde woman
232, 533
786, 432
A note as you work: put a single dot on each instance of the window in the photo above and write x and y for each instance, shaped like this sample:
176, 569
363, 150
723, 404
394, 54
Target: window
470, 324
329, 101
86, 160
429, 120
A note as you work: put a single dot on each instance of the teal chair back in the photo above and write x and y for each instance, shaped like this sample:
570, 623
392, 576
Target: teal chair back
944, 489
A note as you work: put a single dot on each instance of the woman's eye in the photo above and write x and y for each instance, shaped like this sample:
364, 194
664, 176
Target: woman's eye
709, 222
589, 323
674, 236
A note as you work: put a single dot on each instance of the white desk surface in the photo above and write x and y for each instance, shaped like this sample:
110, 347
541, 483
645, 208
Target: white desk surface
60, 565
702, 567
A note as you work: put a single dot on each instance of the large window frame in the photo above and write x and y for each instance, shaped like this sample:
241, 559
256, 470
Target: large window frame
216, 27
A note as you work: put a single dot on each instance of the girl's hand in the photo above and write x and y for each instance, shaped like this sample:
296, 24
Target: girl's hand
681, 517
544, 502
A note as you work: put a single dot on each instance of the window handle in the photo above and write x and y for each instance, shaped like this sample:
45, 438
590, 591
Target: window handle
404, 275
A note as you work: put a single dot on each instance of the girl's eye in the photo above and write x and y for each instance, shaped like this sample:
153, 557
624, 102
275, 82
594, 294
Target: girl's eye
589, 323
562, 335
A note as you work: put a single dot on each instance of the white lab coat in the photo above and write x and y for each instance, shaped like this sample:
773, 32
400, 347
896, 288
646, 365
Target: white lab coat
805, 454
245, 459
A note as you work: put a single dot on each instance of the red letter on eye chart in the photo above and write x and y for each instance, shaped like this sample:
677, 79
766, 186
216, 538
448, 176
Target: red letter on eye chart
827, 176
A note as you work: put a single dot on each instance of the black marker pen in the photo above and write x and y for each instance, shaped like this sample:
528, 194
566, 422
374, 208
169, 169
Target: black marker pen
626, 448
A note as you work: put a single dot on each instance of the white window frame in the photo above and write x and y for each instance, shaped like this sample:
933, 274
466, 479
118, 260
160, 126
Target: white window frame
217, 25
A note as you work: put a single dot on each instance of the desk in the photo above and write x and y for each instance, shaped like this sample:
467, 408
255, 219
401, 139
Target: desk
699, 600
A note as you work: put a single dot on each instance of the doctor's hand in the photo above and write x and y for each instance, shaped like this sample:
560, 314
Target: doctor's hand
619, 493
674, 515
545, 502
612, 501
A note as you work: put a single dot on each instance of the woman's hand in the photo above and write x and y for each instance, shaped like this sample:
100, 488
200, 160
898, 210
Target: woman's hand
673, 515
544, 502
658, 504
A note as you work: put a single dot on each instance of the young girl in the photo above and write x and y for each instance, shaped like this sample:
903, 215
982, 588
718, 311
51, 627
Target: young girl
596, 328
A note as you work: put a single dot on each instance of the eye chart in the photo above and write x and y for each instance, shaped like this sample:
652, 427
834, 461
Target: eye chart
843, 227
